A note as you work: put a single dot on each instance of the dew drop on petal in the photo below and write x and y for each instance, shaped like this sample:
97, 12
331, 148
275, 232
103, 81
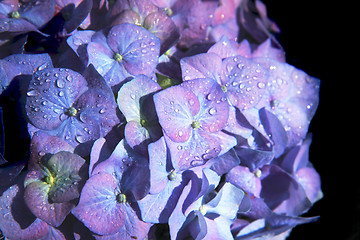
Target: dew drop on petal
61, 94
132, 96
32, 93
80, 138
261, 85
60, 83
42, 67
212, 111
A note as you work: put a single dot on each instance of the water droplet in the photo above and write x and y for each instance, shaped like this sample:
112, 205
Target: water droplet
179, 147
240, 66
242, 85
44, 103
80, 138
212, 111
68, 78
180, 133
101, 111
261, 85
60, 83
32, 93
42, 67
61, 94
211, 96
191, 102
132, 96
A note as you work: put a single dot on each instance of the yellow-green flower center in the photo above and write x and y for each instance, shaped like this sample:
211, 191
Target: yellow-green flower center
72, 112
121, 198
172, 175
15, 14
118, 57
195, 124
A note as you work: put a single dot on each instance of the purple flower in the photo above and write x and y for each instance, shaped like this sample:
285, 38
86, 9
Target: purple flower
126, 50
192, 116
109, 195
149, 16
50, 188
69, 106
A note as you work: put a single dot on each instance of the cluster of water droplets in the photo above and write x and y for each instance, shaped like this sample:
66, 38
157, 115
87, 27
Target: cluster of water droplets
246, 81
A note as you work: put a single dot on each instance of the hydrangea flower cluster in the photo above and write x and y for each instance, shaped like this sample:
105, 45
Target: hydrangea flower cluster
151, 119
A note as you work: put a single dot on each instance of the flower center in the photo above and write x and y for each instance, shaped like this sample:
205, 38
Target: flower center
169, 12
195, 124
172, 175
118, 57
143, 122
121, 198
224, 88
72, 112
203, 209
15, 14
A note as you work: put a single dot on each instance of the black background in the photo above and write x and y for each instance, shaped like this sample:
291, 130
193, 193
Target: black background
316, 37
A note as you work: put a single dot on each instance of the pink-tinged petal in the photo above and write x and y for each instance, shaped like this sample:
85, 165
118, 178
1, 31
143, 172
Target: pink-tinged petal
43, 143
219, 228
224, 47
214, 107
16, 220
203, 65
98, 208
265, 50
245, 81
244, 49
36, 198
159, 24
224, 11
175, 107
310, 181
